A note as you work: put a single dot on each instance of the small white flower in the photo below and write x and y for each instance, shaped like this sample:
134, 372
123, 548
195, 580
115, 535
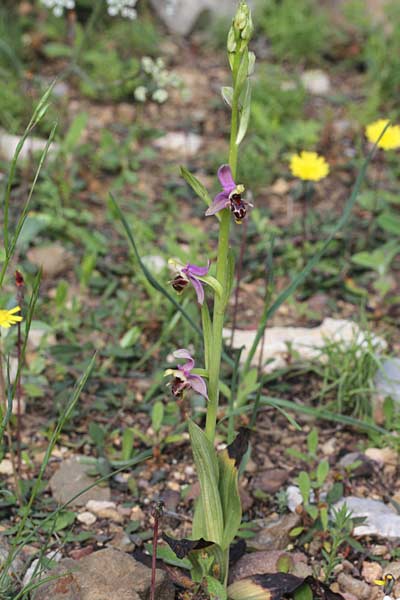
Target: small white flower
160, 96
140, 93
124, 8
58, 6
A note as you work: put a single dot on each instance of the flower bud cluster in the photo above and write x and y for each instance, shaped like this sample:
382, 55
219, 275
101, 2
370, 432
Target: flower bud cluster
58, 6
125, 8
158, 80
241, 30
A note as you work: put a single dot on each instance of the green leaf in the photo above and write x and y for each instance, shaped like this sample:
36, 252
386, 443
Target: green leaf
97, 433
75, 132
335, 493
157, 415
128, 438
389, 221
322, 472
230, 499
130, 337
312, 442
215, 589
206, 462
296, 531
304, 484
312, 511
303, 593
196, 185
248, 385
323, 515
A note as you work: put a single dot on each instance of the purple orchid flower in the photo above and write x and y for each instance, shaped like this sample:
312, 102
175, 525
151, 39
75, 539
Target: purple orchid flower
230, 197
190, 274
183, 378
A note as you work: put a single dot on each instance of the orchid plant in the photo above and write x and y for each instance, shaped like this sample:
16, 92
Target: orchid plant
218, 511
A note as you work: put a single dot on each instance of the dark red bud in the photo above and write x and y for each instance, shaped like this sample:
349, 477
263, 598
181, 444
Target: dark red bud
19, 280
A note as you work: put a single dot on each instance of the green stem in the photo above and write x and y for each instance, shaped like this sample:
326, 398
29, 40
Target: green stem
222, 276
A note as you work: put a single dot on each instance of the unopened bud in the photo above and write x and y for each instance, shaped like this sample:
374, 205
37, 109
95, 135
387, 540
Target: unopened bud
241, 18
231, 42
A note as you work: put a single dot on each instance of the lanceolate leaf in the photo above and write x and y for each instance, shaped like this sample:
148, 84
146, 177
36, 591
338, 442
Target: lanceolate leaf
207, 469
230, 499
196, 186
184, 546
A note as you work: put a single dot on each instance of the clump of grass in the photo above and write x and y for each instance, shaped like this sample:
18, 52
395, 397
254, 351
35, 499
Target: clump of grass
347, 373
298, 30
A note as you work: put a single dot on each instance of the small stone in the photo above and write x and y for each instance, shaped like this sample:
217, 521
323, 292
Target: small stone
6, 467
360, 589
137, 514
270, 481
274, 534
294, 498
54, 259
371, 571
329, 447
105, 510
70, 479
387, 379
383, 456
155, 263
179, 142
316, 82
121, 541
280, 187
378, 550
87, 518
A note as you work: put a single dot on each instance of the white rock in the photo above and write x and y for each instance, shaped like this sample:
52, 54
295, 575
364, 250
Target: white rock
6, 467
87, 518
96, 506
186, 144
387, 380
155, 263
316, 82
307, 342
180, 16
9, 143
381, 519
294, 497
33, 569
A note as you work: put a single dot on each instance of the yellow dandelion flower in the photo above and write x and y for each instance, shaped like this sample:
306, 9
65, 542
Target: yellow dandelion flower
309, 166
8, 317
390, 139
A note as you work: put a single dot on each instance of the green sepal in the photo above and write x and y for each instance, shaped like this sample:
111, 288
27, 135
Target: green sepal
227, 95
212, 282
242, 73
205, 458
244, 114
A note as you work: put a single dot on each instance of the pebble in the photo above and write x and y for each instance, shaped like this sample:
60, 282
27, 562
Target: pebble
87, 518
371, 571
349, 584
316, 82
294, 497
105, 510
274, 533
387, 379
6, 467
381, 519
179, 142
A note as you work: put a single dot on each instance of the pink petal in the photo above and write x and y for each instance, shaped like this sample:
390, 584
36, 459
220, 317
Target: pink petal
226, 179
198, 289
220, 202
183, 353
198, 384
197, 271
